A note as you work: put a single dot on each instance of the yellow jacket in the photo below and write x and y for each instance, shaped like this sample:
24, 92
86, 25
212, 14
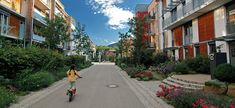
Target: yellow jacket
72, 75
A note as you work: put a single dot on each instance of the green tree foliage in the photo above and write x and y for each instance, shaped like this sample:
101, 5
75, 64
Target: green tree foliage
138, 29
56, 32
82, 40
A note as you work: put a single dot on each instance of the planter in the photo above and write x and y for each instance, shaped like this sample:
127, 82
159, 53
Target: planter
214, 89
231, 90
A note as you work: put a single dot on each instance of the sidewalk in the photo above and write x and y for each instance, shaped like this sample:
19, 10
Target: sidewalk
33, 97
145, 91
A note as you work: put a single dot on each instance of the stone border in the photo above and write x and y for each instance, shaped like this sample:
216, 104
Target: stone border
34, 97
146, 96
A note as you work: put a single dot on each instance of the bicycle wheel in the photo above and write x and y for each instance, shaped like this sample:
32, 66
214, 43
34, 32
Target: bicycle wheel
70, 96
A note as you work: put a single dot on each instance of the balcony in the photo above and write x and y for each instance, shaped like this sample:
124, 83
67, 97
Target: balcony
38, 38
192, 10
151, 18
42, 4
39, 16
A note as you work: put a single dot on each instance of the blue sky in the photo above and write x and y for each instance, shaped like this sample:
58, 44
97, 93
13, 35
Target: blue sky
103, 18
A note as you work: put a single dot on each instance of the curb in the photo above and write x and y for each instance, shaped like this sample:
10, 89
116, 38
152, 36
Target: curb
34, 97
146, 96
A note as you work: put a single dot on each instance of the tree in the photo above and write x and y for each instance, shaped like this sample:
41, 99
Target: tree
124, 44
56, 32
82, 40
138, 28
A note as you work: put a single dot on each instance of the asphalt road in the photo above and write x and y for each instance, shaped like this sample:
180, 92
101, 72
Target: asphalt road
94, 93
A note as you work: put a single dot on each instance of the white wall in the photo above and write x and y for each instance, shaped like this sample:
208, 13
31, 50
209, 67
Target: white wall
195, 31
169, 33
220, 21
176, 54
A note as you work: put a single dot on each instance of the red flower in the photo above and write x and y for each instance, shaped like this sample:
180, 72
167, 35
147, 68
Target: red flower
232, 106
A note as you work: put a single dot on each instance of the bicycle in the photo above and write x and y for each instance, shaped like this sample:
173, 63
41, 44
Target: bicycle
71, 92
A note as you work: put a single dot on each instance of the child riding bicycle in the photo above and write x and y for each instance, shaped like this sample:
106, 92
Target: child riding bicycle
72, 75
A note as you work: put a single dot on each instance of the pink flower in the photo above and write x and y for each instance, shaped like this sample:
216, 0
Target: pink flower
232, 106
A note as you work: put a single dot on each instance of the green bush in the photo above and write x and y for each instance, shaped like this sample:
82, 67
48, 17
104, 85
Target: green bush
160, 58
215, 83
6, 98
29, 82
182, 68
199, 64
140, 68
131, 71
183, 99
225, 72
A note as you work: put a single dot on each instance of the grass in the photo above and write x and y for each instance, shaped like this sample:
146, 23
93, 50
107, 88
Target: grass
158, 76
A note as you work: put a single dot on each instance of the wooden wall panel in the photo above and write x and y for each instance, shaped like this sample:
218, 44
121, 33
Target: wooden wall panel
206, 27
203, 49
178, 36
190, 51
181, 54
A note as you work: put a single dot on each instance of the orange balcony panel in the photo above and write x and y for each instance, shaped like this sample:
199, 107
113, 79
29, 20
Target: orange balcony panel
203, 49
41, 5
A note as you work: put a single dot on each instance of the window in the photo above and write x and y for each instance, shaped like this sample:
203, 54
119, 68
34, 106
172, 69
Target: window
197, 50
212, 48
188, 32
186, 53
174, 14
231, 18
4, 23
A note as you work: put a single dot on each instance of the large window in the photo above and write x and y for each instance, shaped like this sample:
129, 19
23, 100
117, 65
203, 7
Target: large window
4, 23
197, 50
188, 33
231, 18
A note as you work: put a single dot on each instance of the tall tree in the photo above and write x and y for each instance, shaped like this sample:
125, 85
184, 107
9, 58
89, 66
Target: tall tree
56, 32
138, 28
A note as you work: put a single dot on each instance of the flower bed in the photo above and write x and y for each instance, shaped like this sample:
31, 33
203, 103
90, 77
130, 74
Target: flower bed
182, 99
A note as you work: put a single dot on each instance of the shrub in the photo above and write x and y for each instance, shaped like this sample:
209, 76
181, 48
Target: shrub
183, 99
140, 68
182, 68
35, 81
160, 58
225, 72
199, 64
131, 71
165, 68
6, 98
215, 83
145, 74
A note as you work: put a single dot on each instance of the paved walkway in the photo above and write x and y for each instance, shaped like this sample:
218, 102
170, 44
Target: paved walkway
93, 92
202, 78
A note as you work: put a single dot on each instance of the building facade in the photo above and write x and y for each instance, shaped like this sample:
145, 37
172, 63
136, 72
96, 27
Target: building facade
11, 19
23, 19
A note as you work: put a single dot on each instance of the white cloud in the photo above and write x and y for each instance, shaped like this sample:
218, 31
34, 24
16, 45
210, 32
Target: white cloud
112, 42
118, 17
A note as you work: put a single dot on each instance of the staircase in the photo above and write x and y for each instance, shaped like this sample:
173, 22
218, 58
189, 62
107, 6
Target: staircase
183, 84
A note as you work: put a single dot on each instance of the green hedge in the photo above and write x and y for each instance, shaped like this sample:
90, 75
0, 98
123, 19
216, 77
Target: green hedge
28, 82
225, 72
199, 64
6, 98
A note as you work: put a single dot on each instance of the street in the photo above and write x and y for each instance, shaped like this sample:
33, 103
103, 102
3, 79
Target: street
93, 91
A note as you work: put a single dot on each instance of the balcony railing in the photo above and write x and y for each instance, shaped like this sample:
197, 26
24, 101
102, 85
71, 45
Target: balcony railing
39, 17
38, 38
183, 11
231, 28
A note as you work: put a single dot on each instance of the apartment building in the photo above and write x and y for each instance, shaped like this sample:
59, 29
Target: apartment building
154, 25
23, 19
11, 20
198, 27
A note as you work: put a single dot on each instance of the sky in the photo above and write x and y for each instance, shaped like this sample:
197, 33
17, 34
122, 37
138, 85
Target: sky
103, 18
